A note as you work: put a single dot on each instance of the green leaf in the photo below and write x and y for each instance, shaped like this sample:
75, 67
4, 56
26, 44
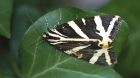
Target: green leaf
20, 24
5, 17
38, 59
129, 57
5, 69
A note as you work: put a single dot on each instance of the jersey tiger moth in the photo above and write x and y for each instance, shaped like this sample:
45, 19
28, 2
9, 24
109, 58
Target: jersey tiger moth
88, 39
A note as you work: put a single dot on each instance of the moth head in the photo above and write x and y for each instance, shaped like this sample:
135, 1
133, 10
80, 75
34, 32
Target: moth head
44, 35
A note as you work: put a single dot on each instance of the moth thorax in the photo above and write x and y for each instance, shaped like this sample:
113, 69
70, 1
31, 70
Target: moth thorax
105, 42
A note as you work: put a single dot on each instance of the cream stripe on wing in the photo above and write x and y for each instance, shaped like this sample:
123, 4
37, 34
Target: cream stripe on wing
73, 25
75, 49
55, 43
74, 39
54, 35
99, 25
98, 54
55, 31
112, 24
107, 57
84, 21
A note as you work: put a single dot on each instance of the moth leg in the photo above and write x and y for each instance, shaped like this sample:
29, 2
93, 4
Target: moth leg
60, 18
56, 52
80, 55
73, 52
75, 59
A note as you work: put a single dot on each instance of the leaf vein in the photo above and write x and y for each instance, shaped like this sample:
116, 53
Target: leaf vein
34, 58
53, 67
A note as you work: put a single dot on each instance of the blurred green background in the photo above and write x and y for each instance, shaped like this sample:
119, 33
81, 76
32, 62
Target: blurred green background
13, 15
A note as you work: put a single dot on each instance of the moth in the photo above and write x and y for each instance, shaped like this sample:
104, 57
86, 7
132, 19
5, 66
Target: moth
88, 39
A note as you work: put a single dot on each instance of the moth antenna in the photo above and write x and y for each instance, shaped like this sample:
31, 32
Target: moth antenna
47, 24
35, 29
59, 20
33, 23
76, 16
